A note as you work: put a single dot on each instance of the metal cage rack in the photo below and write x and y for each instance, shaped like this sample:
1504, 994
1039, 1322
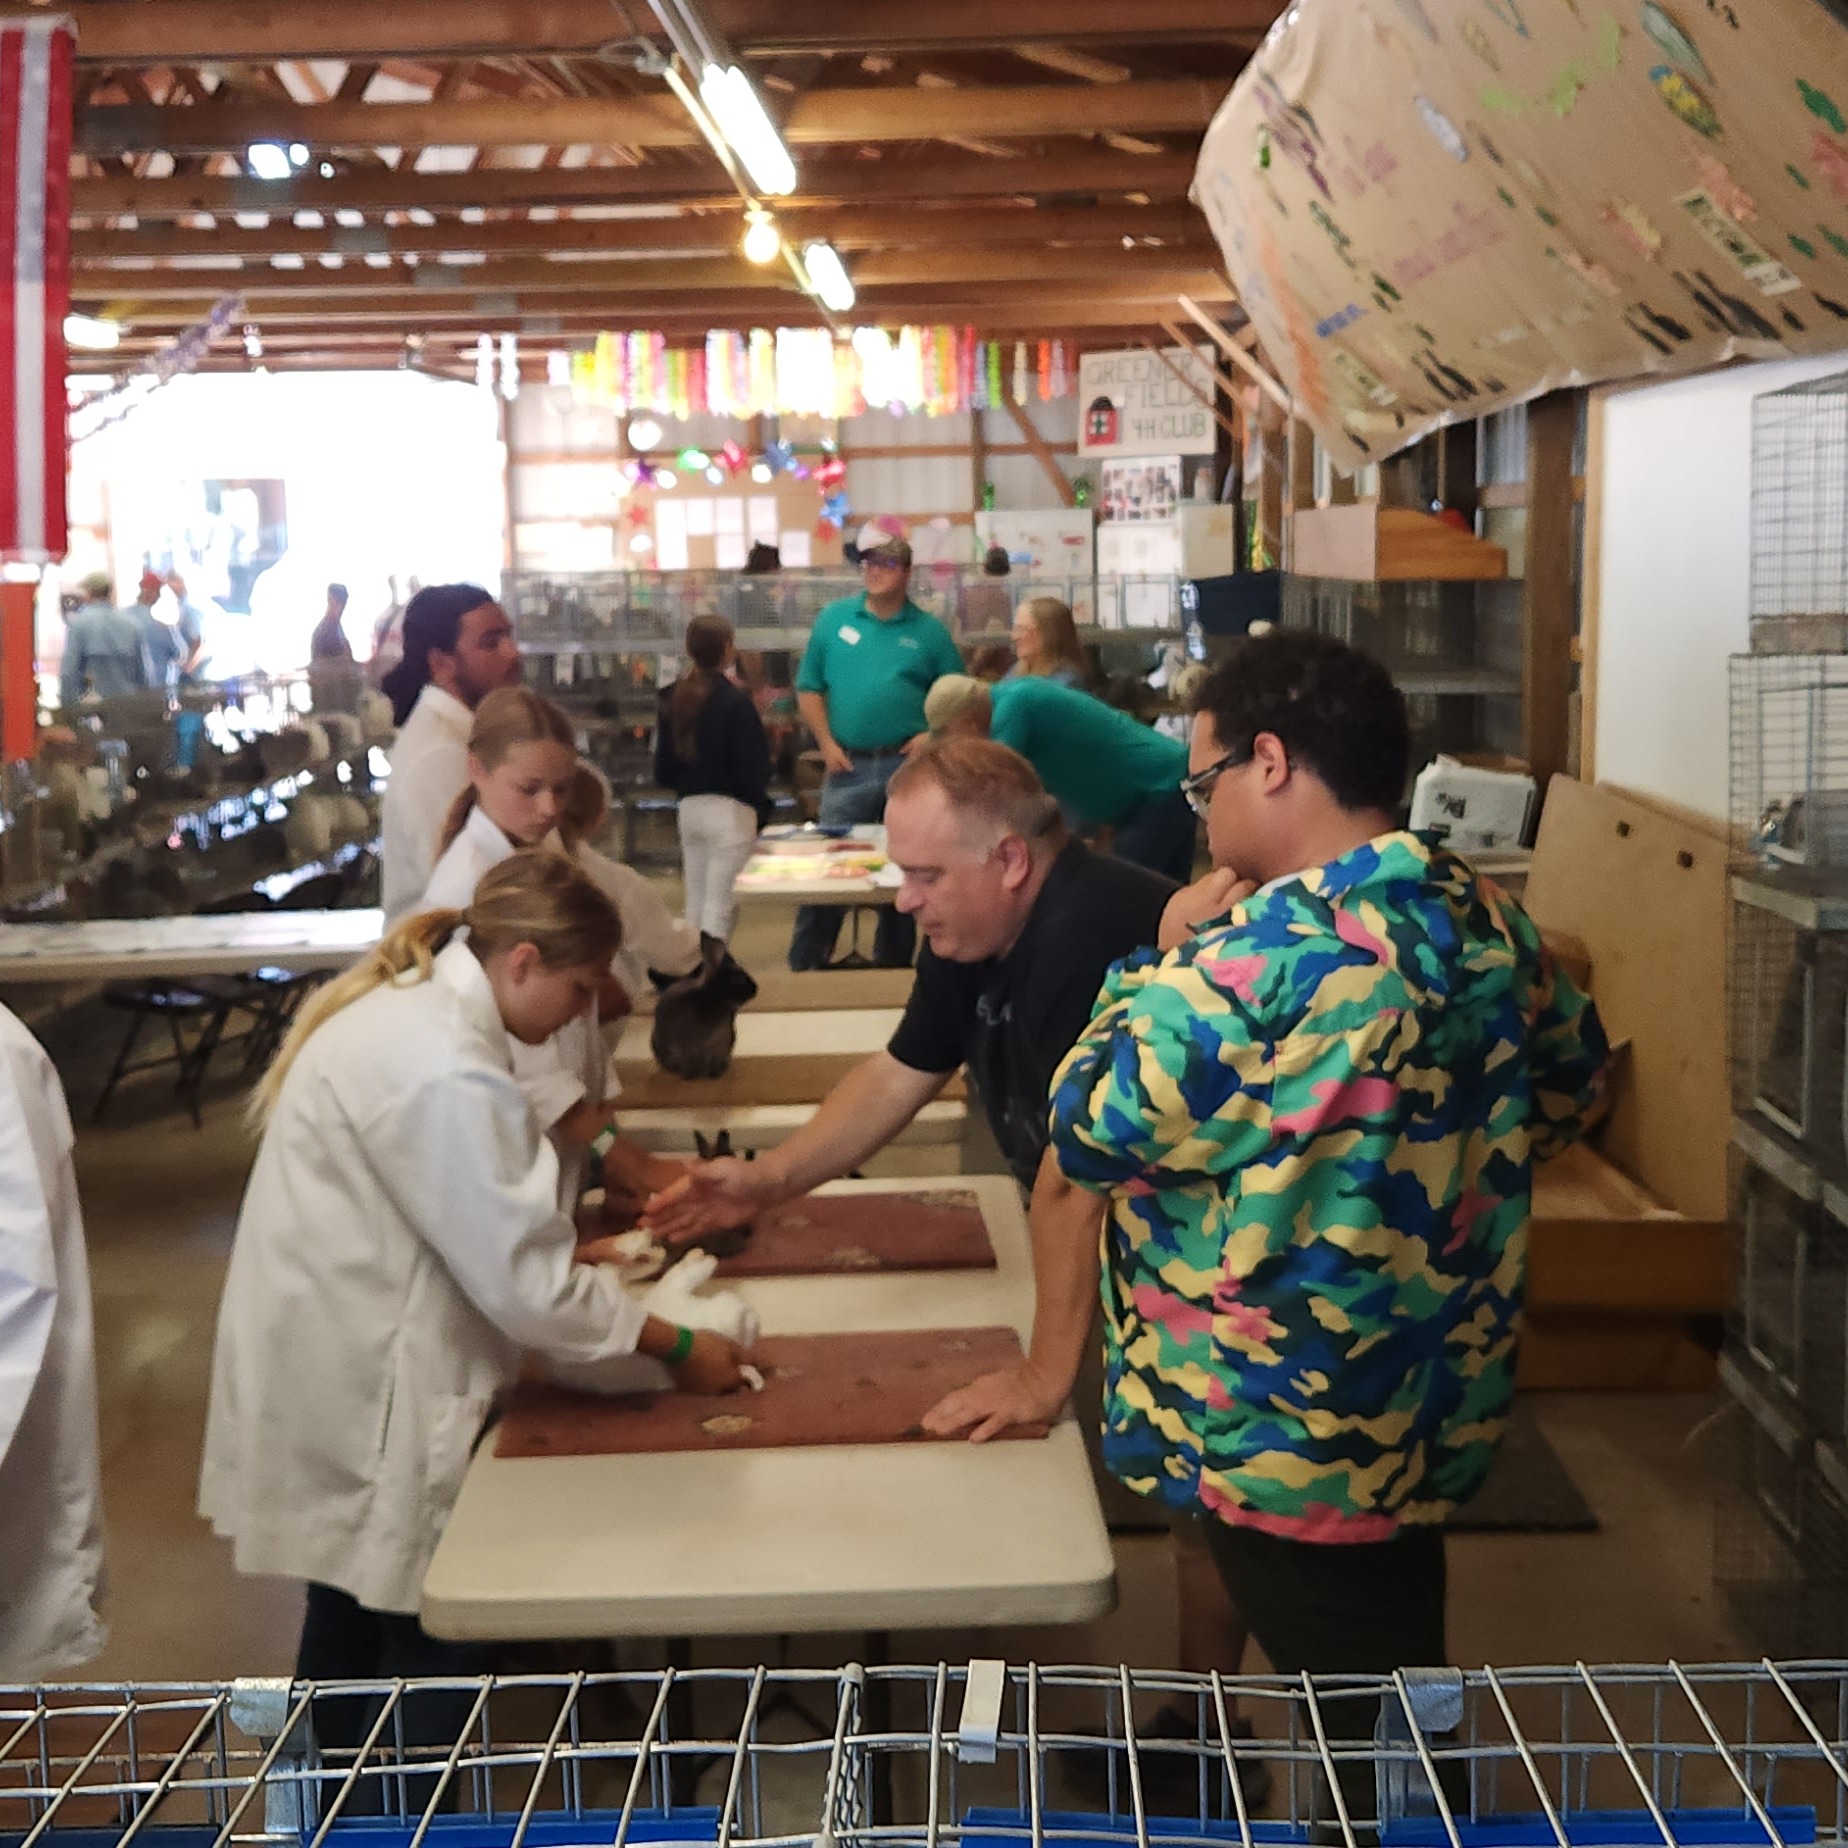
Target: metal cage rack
982, 1756
1789, 751
1800, 515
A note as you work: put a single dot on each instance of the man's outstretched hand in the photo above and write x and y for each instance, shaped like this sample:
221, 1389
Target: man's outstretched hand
712, 1196
994, 1403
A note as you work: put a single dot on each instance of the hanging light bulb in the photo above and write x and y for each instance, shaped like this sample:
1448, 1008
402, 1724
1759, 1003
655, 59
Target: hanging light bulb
666, 478
644, 434
716, 476
763, 243
762, 473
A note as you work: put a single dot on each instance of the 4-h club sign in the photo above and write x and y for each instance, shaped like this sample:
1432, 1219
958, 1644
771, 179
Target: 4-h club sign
1130, 404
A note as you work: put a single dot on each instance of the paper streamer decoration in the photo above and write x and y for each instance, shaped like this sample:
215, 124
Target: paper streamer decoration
1431, 208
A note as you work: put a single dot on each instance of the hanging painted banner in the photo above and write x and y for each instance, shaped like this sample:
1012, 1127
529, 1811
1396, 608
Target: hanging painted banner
35, 159
1130, 404
1434, 207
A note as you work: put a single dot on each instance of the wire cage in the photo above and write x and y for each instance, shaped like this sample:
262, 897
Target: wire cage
1788, 1001
1453, 650
608, 612
1789, 751
1800, 514
1780, 1536
1789, 1317
983, 1756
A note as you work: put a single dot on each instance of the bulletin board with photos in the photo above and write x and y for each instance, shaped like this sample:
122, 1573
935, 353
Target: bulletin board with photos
1141, 488
698, 526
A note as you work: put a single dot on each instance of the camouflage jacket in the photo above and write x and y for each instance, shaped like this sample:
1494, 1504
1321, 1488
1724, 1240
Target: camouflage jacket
1316, 1123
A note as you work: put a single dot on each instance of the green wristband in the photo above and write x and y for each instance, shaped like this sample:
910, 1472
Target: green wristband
603, 1141
683, 1346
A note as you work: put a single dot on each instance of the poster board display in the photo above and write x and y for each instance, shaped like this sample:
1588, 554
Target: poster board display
1432, 208
698, 526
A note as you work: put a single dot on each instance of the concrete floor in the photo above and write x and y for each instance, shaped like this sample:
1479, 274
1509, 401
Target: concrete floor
160, 1200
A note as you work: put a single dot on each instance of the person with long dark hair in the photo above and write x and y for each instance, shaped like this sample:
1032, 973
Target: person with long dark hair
711, 752
458, 648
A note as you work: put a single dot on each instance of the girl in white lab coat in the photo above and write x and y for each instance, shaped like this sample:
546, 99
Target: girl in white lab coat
51, 1526
399, 1246
524, 772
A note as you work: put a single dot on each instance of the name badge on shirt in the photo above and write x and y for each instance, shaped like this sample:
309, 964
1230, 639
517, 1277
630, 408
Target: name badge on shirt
848, 633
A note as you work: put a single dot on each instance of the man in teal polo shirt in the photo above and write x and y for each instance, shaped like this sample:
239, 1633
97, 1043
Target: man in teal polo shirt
1107, 767
869, 662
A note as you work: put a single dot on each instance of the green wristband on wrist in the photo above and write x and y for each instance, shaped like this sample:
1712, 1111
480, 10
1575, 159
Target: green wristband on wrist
603, 1141
683, 1346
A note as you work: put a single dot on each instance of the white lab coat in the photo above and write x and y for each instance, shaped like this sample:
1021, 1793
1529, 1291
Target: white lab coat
652, 937
571, 1067
399, 1244
429, 769
51, 1525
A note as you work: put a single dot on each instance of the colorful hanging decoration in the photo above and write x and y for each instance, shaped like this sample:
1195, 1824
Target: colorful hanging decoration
808, 372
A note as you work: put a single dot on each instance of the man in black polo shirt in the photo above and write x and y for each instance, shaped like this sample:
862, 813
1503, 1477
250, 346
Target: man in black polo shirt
1020, 922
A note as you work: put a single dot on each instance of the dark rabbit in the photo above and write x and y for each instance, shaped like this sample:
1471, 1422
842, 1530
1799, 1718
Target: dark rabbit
696, 1018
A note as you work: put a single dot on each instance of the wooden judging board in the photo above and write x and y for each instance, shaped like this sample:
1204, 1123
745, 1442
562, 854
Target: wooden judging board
851, 1388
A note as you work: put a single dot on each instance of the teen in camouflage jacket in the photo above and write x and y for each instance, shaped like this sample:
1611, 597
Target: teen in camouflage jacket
1316, 1123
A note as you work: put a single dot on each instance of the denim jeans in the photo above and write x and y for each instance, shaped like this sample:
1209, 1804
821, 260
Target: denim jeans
1159, 833
852, 799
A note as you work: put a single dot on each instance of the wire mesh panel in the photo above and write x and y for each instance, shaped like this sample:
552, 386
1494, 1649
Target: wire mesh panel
1789, 747
1789, 1006
468, 1763
992, 1757
1800, 501
982, 1756
1789, 1318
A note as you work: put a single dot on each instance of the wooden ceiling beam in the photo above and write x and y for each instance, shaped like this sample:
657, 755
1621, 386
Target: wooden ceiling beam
538, 313
699, 234
950, 268
254, 31
1083, 173
1011, 112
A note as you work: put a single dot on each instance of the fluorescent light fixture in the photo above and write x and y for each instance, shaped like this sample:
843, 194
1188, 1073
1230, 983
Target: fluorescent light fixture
829, 275
91, 334
268, 160
736, 108
763, 243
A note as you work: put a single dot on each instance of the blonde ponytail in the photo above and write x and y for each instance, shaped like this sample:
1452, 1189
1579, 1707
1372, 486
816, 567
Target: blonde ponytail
457, 819
534, 896
410, 944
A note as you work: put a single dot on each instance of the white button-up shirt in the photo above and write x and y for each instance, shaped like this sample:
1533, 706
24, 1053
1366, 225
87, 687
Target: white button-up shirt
400, 1243
429, 769
51, 1523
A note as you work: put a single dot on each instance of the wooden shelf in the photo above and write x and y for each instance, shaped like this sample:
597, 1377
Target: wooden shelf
1369, 544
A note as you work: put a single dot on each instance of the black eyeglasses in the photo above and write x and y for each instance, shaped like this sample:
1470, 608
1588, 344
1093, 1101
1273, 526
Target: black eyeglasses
1198, 788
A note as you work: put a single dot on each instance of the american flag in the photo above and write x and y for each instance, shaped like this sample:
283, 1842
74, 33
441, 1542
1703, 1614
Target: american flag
35, 282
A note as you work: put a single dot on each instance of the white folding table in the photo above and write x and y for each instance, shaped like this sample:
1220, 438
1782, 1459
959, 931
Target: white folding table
113, 949
867, 1538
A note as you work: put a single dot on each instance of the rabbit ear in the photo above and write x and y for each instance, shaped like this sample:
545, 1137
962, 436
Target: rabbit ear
722, 1144
704, 1150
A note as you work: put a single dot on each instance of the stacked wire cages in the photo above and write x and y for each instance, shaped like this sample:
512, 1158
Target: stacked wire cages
1781, 1543
982, 1756
1800, 518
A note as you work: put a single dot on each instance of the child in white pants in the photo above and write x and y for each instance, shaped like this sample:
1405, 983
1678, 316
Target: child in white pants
710, 750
